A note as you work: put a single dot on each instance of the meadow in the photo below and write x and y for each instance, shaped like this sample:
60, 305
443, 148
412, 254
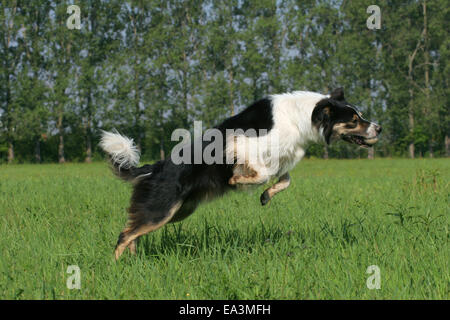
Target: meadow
312, 241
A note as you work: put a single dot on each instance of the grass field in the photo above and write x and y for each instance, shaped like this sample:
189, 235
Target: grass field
313, 241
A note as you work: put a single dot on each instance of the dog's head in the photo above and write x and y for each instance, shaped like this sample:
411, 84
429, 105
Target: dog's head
336, 118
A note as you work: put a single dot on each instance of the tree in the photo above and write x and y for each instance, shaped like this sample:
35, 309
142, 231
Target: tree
99, 39
10, 56
32, 98
147, 67
62, 69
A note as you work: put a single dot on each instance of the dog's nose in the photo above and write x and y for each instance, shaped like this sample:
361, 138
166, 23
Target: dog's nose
378, 129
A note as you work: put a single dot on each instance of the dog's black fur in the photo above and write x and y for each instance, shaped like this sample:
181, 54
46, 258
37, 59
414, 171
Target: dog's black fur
156, 194
168, 183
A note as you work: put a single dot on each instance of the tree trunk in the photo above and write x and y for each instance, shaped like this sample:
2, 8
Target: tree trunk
37, 150
230, 60
89, 112
427, 110
88, 130
185, 90
161, 149
411, 150
10, 152
411, 125
137, 119
88, 149
61, 158
231, 90
371, 153
136, 89
325, 152
447, 145
411, 59
9, 70
88, 142
9, 125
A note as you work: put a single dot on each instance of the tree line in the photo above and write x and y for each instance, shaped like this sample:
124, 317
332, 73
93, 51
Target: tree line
147, 67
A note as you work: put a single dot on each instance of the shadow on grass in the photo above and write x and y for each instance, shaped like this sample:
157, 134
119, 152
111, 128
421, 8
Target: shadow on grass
211, 239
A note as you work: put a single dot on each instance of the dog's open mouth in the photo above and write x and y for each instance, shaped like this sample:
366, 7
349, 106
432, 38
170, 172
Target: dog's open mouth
360, 140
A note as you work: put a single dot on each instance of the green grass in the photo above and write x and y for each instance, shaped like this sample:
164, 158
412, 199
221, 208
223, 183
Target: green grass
313, 241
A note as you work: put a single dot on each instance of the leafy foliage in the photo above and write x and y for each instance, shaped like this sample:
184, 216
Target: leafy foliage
147, 67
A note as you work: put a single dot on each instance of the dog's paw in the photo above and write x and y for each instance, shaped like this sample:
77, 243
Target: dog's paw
232, 181
265, 198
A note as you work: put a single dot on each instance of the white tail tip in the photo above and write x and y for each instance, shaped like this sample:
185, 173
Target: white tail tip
122, 150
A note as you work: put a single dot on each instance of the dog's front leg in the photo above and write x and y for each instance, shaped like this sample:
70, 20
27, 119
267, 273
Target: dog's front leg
282, 184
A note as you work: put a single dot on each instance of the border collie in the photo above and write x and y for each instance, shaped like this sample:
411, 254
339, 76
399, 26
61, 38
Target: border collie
168, 192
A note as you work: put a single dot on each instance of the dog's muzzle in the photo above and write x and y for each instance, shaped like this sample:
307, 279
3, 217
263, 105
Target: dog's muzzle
366, 140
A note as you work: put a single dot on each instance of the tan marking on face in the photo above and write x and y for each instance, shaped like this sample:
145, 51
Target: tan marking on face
350, 128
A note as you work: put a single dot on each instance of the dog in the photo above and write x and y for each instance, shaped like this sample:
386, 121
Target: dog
168, 192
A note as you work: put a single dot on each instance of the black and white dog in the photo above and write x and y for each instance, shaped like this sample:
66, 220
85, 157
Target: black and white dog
168, 192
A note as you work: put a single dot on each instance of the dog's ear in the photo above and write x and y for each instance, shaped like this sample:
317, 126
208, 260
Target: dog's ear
338, 94
321, 118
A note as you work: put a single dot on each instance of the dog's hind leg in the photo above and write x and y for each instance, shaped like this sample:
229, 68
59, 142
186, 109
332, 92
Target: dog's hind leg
282, 184
132, 247
140, 225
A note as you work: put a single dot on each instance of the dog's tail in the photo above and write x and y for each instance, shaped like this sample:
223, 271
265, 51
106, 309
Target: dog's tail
124, 156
